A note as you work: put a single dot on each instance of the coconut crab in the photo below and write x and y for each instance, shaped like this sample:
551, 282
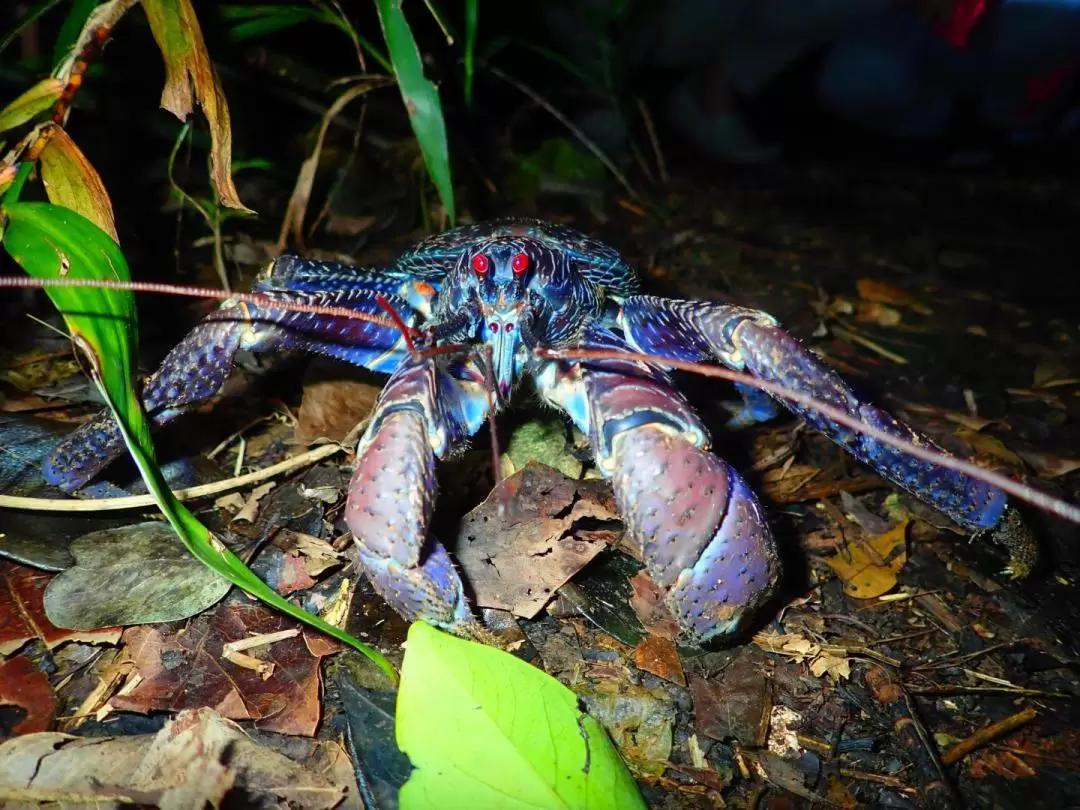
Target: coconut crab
473, 310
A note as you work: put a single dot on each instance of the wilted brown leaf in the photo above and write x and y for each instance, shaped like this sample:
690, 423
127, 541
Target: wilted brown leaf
22, 612
1047, 465
22, 685
193, 761
515, 559
186, 670
331, 408
187, 67
73, 182
868, 565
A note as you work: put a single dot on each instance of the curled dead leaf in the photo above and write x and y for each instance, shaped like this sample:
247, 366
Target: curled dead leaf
190, 76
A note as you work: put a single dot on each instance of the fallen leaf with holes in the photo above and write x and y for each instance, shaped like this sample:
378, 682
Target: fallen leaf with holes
868, 565
193, 761
331, 408
187, 669
22, 613
1047, 465
516, 557
659, 656
23, 686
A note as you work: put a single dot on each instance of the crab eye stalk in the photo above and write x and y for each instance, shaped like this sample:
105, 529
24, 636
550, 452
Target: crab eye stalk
481, 264
519, 264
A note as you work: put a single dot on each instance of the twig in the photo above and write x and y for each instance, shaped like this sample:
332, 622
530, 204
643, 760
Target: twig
661, 165
586, 141
191, 493
987, 735
959, 689
934, 784
947, 660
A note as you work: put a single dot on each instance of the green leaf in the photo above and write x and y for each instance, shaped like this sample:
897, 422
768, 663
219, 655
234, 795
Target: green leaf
37, 99
472, 19
49, 241
421, 99
492, 731
76, 18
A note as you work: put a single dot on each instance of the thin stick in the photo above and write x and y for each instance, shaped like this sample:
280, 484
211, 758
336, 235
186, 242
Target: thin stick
1062, 509
189, 494
586, 141
986, 735
658, 153
195, 292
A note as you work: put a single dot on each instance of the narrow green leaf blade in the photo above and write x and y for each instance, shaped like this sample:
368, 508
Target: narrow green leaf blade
488, 730
50, 241
421, 99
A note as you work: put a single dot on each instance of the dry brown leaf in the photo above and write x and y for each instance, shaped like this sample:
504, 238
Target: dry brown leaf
870, 289
1047, 465
868, 565
990, 447
517, 558
658, 655
332, 408
22, 613
188, 68
22, 685
194, 760
73, 182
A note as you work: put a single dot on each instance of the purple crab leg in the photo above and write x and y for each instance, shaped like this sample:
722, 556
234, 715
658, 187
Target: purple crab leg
199, 365
425, 409
702, 534
752, 340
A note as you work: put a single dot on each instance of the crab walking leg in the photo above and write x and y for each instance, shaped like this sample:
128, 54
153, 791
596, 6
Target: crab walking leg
199, 365
752, 340
702, 533
422, 413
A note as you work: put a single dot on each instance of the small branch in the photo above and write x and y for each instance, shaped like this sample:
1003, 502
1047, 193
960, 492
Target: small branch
189, 494
586, 141
986, 735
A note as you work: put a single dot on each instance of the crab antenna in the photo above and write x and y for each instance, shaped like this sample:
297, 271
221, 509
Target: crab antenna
1042, 500
407, 331
256, 299
489, 389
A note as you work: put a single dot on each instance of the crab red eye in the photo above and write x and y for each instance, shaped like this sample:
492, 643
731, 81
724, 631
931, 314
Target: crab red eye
480, 264
520, 263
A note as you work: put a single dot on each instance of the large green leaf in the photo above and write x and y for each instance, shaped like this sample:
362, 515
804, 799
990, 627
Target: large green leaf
484, 729
421, 99
50, 241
